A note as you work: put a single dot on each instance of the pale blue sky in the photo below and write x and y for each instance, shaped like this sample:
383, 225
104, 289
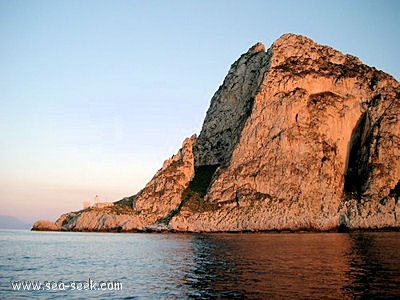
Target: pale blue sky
95, 95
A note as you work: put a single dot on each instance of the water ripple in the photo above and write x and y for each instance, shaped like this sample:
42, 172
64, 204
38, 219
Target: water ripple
185, 266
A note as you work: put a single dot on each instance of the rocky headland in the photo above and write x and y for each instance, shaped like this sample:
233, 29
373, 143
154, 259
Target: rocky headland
298, 137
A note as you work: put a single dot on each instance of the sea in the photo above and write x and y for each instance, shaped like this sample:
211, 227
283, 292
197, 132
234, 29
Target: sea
72, 265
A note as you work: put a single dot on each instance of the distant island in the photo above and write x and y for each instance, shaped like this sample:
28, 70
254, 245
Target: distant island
298, 137
9, 222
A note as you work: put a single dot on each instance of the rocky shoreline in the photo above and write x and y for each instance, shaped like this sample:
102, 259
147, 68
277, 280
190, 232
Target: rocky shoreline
298, 137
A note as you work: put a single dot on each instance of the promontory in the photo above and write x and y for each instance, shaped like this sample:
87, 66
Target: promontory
298, 137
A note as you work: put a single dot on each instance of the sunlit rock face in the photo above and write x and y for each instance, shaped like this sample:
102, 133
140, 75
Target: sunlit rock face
150, 209
319, 148
298, 137
163, 193
44, 225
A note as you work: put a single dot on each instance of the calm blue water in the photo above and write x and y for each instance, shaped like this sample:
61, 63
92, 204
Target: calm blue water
194, 266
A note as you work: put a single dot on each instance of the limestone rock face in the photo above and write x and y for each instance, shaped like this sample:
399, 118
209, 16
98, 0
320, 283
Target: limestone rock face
152, 207
44, 225
298, 137
323, 129
100, 219
163, 194
230, 107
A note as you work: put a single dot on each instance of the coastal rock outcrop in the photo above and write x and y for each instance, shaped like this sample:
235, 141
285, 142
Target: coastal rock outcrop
141, 211
322, 135
162, 196
298, 137
45, 225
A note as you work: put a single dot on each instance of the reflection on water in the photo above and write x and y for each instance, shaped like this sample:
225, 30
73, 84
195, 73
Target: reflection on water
296, 266
216, 270
374, 265
204, 266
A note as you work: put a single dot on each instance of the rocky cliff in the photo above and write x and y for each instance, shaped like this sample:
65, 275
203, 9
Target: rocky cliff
297, 137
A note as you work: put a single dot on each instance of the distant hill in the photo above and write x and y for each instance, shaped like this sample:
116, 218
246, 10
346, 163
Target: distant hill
9, 222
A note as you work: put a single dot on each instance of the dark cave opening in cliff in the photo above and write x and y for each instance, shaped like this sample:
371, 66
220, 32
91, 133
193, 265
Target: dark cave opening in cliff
202, 179
358, 167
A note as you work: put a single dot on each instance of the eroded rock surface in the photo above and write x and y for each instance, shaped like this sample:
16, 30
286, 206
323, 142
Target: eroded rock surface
322, 137
150, 209
297, 137
45, 225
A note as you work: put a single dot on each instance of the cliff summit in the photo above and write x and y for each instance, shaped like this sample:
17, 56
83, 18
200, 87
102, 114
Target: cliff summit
297, 137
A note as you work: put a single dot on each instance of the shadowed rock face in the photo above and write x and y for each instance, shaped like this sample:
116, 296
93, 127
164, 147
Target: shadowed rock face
297, 137
230, 108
